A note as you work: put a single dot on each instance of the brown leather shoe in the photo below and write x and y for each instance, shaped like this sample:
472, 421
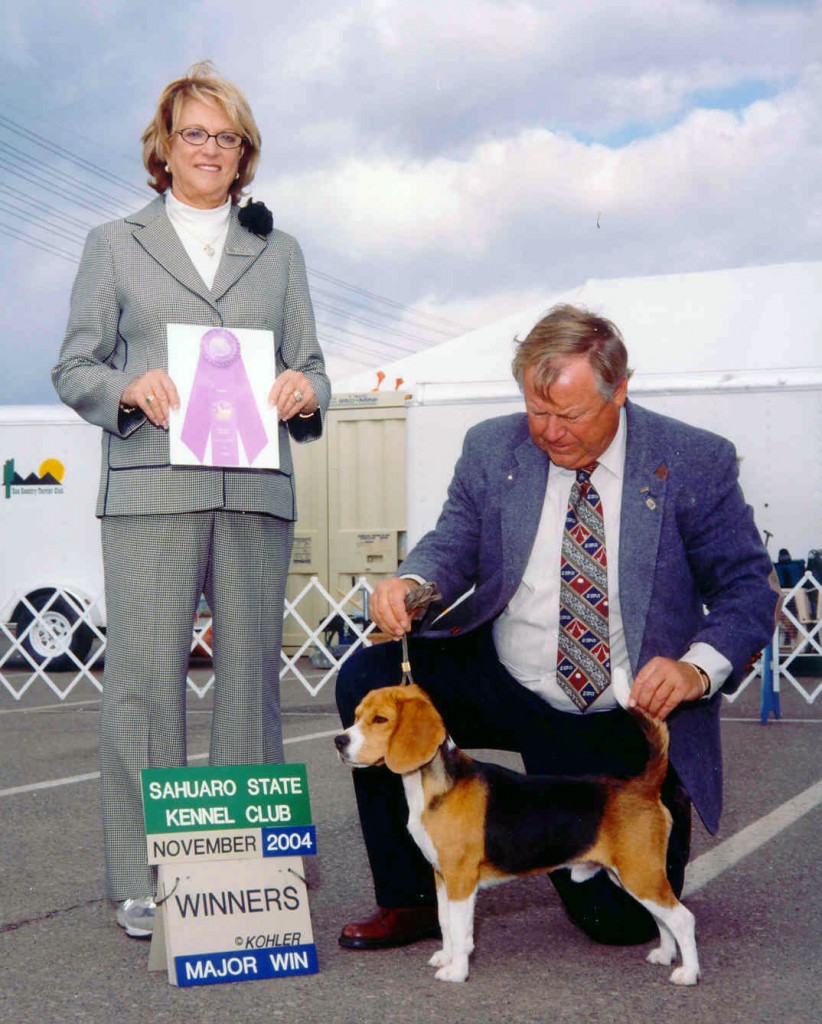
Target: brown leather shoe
391, 926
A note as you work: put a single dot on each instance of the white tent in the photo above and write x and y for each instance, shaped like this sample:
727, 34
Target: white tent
735, 351
746, 320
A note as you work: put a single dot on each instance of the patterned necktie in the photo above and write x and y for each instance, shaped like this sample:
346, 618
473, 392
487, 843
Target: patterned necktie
584, 653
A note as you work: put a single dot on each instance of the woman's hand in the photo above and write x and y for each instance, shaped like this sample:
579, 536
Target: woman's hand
291, 394
155, 394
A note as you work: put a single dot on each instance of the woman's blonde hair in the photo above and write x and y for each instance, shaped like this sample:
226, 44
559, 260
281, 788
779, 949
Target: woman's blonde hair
204, 84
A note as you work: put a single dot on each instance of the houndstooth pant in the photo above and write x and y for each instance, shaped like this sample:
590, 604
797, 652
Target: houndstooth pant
156, 568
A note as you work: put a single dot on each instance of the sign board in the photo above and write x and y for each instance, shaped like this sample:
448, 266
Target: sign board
227, 813
240, 922
232, 900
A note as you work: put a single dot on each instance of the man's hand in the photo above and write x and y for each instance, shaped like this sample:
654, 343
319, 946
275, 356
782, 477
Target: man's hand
662, 685
387, 606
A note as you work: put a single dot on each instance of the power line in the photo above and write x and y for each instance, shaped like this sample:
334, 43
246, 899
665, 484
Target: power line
329, 343
370, 323
67, 154
388, 302
373, 310
35, 219
365, 337
14, 233
52, 187
432, 321
26, 198
349, 304
62, 175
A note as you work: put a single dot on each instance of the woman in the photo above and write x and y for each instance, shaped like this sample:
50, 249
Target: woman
171, 533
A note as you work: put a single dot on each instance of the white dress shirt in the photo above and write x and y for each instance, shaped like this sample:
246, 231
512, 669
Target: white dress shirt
526, 633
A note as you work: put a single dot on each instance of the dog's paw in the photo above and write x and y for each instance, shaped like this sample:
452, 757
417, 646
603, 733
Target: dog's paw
452, 972
660, 956
685, 975
584, 871
440, 959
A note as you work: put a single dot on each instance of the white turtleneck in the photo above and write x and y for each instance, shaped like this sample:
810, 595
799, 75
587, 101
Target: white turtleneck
202, 232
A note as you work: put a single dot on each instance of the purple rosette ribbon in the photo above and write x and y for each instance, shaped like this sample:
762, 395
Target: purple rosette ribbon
222, 403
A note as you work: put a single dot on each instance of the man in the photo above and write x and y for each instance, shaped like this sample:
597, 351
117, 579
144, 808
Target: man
597, 535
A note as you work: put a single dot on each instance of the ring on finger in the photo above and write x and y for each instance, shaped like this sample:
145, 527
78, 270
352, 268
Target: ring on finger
297, 396
149, 399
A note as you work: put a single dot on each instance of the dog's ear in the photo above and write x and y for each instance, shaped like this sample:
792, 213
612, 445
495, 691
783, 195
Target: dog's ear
417, 735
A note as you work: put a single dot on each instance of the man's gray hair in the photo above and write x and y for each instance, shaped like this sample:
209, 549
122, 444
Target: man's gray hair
566, 332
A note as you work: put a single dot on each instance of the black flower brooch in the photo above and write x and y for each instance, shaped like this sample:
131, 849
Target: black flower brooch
256, 218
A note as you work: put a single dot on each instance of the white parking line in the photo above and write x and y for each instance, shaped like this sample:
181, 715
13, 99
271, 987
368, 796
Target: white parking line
712, 863
45, 708
774, 721
69, 780
91, 776
52, 708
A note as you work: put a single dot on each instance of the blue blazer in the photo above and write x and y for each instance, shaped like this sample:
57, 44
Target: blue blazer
688, 544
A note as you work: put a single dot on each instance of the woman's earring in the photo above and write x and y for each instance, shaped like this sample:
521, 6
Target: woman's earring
167, 169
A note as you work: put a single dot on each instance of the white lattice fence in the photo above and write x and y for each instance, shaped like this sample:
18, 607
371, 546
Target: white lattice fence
57, 640
798, 633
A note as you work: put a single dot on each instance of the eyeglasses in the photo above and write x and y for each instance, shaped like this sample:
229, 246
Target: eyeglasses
199, 137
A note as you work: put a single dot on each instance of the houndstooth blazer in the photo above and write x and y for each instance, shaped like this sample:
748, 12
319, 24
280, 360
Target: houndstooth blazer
134, 278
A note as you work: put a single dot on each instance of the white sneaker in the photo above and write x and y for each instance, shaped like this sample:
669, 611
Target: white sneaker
137, 917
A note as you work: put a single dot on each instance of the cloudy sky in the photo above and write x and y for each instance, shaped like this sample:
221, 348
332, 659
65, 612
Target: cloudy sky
442, 162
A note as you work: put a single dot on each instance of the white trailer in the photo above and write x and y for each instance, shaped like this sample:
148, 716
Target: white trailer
51, 588
773, 418
352, 522
735, 351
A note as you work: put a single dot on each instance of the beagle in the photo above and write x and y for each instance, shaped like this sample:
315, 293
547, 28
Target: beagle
479, 823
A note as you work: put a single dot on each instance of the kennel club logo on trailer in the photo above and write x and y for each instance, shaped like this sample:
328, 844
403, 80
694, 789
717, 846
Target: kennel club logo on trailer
247, 919
48, 480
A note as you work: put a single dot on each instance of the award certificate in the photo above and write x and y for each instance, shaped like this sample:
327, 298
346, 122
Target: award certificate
223, 377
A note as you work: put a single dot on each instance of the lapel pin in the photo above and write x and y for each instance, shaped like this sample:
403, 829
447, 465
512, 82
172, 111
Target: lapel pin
661, 471
644, 490
650, 503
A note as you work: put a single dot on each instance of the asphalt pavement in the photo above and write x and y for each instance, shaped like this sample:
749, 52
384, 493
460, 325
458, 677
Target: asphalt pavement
755, 891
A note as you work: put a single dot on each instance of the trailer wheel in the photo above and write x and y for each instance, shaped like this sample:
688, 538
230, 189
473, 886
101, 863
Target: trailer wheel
48, 642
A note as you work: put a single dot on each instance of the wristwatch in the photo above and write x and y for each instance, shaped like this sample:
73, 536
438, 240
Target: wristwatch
703, 675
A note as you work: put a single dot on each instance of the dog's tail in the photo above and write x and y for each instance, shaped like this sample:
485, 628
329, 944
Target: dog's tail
655, 731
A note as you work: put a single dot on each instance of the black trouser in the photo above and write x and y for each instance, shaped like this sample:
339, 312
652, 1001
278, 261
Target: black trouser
485, 707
